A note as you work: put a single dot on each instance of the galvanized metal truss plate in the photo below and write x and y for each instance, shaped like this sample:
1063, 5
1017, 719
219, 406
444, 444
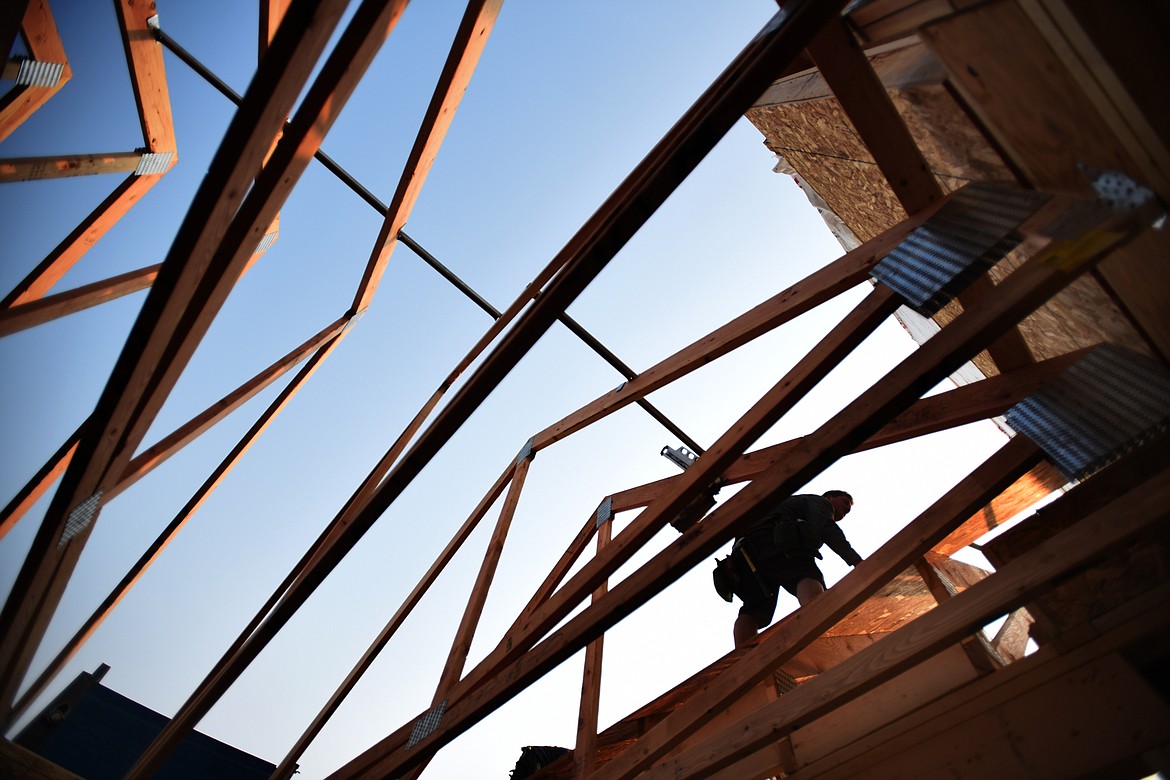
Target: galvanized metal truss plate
80, 518
1106, 405
959, 243
604, 511
32, 73
427, 724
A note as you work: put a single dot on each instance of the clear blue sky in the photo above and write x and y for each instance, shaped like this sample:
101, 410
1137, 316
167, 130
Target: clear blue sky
568, 97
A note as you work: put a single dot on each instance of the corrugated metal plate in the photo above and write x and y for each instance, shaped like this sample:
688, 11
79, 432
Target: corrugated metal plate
1108, 404
965, 238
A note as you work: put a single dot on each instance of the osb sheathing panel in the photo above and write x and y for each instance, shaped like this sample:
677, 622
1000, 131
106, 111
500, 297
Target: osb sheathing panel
819, 142
953, 146
895, 605
817, 139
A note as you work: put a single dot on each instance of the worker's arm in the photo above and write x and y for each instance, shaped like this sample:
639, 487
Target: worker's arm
833, 536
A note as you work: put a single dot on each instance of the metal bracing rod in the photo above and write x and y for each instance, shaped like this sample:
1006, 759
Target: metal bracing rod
362, 192
448, 274
197, 66
629, 373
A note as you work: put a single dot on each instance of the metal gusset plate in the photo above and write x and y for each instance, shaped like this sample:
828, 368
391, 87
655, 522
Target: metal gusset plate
966, 237
1106, 405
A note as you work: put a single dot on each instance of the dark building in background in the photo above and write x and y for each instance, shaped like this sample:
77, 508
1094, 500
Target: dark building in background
98, 733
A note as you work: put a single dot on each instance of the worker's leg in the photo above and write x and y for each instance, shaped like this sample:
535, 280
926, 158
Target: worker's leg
744, 630
807, 590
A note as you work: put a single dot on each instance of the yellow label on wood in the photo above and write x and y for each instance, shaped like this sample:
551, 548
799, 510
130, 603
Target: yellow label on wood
1070, 255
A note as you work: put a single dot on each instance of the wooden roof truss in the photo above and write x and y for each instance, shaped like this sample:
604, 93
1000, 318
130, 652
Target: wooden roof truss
830, 688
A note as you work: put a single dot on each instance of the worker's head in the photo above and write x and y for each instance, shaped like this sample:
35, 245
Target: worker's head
842, 502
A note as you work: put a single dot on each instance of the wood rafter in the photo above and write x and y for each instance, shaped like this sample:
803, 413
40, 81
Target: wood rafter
461, 644
486, 686
175, 526
40, 483
1104, 528
40, 34
470, 39
583, 258
586, 742
864, 98
49, 308
148, 79
174, 317
58, 167
158, 453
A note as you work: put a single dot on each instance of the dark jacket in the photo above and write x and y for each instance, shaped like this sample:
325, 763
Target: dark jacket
813, 509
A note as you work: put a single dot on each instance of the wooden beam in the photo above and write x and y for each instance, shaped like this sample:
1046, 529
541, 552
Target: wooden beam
901, 65
82, 635
453, 669
470, 39
822, 285
1119, 520
148, 77
78, 242
864, 99
465, 633
980, 652
288, 763
177, 310
562, 566
586, 255
784, 641
585, 746
44, 45
964, 404
1011, 641
43, 310
17, 169
361, 497
157, 454
772, 761
1032, 284
1038, 483
872, 113
271, 13
38, 485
